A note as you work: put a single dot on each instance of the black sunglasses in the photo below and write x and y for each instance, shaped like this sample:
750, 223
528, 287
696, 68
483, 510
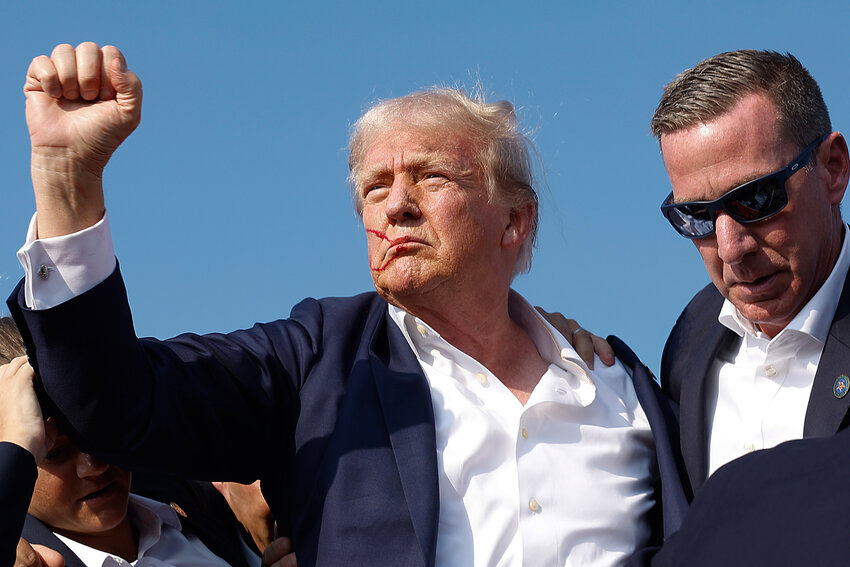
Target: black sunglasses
753, 201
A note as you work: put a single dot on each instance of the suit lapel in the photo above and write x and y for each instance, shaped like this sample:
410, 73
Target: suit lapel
693, 416
406, 404
36, 532
825, 411
674, 491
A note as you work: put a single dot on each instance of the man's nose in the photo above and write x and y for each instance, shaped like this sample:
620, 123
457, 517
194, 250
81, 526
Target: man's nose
402, 203
89, 466
734, 240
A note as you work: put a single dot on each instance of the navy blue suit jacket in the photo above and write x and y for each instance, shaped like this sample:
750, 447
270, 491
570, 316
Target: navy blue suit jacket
17, 478
690, 351
786, 506
330, 408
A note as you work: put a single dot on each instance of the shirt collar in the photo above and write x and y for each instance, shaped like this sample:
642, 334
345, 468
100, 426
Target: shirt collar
551, 345
814, 319
148, 517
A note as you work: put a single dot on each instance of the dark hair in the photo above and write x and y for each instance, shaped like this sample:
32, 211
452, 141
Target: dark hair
715, 85
11, 343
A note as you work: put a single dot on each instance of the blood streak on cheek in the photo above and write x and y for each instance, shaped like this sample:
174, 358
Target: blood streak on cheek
400, 247
379, 234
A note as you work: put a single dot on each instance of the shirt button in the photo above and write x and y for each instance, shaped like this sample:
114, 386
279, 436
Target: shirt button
770, 371
43, 272
524, 433
749, 447
482, 378
421, 328
533, 505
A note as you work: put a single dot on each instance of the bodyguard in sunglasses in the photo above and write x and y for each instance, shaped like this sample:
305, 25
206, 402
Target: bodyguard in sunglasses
762, 356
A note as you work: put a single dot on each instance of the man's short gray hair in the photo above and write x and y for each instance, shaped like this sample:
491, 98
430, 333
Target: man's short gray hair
504, 153
715, 85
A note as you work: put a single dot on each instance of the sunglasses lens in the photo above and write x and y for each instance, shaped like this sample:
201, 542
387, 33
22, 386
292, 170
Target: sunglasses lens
692, 221
757, 201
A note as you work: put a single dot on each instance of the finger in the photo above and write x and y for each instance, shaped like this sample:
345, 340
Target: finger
277, 551
582, 341
49, 557
42, 76
128, 89
603, 350
13, 366
25, 555
109, 53
88, 69
65, 61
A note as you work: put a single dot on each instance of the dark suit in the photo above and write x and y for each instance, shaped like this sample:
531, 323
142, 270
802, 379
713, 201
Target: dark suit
786, 506
330, 408
17, 478
691, 349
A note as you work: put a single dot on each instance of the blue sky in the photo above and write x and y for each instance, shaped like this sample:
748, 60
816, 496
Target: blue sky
229, 203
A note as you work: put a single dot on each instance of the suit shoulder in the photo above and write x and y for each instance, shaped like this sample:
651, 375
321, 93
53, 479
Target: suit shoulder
699, 314
692, 326
343, 312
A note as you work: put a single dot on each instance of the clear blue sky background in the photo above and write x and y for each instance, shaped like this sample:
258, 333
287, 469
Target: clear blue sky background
229, 203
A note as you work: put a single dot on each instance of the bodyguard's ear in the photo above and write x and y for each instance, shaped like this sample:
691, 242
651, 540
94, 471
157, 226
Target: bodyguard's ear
519, 226
837, 164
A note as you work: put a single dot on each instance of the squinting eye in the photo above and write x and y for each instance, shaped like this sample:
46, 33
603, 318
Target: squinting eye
374, 192
57, 453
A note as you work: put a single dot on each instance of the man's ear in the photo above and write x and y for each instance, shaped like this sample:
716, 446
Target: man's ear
837, 164
518, 229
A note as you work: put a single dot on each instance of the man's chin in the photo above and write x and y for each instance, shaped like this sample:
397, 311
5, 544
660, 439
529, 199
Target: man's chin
769, 315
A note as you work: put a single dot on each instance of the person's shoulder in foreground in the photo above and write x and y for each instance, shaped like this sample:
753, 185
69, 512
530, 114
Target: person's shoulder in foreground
785, 506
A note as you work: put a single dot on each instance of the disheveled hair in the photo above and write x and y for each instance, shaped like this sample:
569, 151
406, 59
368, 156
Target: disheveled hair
715, 85
11, 343
503, 151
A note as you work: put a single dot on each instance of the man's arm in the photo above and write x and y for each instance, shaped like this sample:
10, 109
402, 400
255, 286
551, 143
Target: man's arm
81, 104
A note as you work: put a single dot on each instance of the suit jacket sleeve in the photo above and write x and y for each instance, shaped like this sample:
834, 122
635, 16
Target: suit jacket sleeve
17, 478
153, 397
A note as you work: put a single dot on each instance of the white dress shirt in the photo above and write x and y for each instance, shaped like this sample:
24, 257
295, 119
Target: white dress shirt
758, 391
161, 541
564, 480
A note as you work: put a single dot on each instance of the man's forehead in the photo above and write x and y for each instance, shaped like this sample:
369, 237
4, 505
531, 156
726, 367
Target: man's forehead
412, 147
714, 156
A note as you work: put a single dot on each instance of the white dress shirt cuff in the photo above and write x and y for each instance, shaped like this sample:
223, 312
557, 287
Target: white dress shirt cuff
60, 268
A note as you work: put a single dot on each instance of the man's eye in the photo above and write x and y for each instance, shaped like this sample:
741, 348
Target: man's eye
373, 190
57, 453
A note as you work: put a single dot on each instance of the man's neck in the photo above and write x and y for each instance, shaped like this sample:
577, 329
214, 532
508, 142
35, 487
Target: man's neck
482, 328
122, 540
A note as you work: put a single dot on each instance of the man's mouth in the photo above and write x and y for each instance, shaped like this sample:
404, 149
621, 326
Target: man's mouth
393, 241
396, 247
106, 490
756, 285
